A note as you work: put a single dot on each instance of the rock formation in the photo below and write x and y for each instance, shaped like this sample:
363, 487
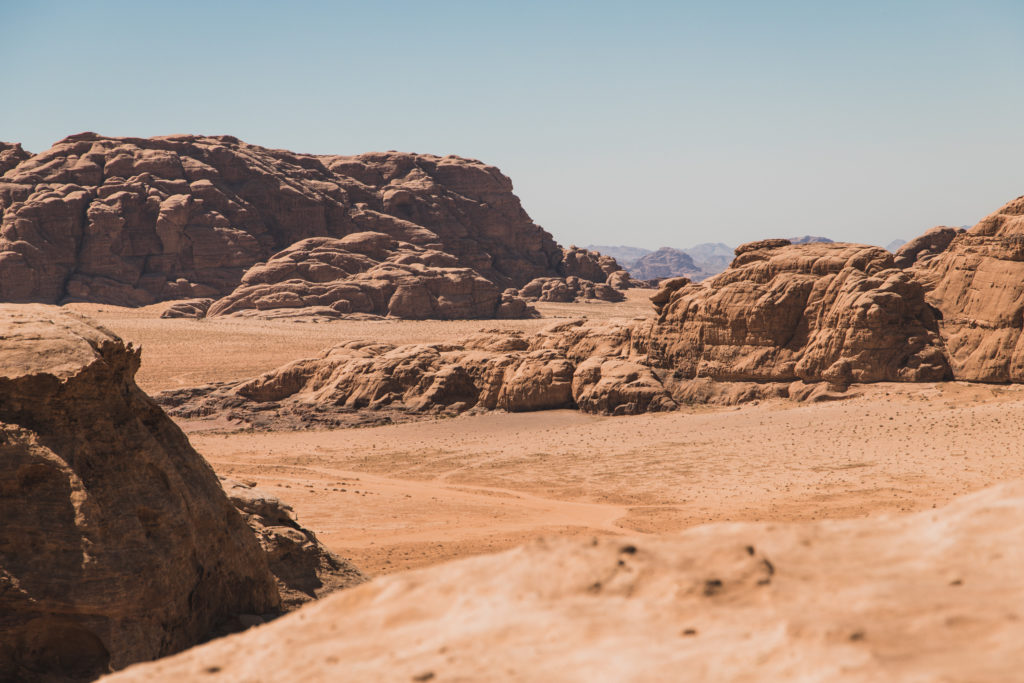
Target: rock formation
11, 154
977, 282
587, 265
191, 308
133, 221
117, 542
927, 246
304, 569
830, 312
569, 289
929, 596
367, 273
593, 367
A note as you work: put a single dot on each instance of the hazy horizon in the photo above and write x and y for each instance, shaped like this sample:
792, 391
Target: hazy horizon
653, 124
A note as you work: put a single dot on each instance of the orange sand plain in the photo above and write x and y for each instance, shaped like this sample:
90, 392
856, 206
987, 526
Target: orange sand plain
411, 495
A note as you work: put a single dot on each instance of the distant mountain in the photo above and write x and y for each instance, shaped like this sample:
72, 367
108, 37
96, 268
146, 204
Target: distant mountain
626, 256
711, 257
807, 239
894, 245
666, 262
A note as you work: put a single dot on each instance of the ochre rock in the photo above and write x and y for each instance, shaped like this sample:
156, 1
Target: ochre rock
587, 265
926, 246
815, 312
570, 289
930, 596
304, 569
11, 154
190, 308
131, 221
977, 283
364, 382
117, 543
367, 273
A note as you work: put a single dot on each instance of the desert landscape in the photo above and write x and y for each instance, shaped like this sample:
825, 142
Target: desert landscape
511, 342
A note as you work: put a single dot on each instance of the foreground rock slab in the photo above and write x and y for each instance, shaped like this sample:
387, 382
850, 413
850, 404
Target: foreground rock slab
117, 543
928, 596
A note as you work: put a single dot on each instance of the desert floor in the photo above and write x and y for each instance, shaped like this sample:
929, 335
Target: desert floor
414, 494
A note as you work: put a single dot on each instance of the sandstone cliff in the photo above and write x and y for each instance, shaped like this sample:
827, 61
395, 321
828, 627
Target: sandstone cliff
117, 542
132, 221
977, 282
815, 312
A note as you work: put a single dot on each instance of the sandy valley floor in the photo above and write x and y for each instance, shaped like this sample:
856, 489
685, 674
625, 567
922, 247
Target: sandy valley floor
415, 494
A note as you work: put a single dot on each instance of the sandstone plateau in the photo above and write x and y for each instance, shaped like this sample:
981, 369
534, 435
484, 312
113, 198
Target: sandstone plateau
118, 543
133, 221
930, 596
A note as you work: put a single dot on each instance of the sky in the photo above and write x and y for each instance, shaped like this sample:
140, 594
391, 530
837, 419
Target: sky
642, 123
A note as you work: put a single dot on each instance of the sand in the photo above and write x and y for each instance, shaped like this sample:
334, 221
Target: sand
406, 496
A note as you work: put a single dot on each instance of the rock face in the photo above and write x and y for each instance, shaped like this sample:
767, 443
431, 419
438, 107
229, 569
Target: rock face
11, 154
304, 569
570, 365
977, 283
587, 265
928, 245
830, 312
903, 598
133, 221
367, 273
117, 543
666, 262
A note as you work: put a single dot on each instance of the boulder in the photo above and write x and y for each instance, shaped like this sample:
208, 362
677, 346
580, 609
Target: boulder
192, 308
303, 568
569, 289
117, 544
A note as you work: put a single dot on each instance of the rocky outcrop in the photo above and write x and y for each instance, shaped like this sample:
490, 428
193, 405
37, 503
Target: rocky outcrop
117, 543
569, 289
191, 308
367, 273
667, 262
927, 246
593, 367
587, 265
922, 597
304, 569
830, 312
977, 283
133, 221
11, 154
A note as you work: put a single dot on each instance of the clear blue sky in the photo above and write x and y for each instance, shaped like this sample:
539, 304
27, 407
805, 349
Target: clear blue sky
644, 123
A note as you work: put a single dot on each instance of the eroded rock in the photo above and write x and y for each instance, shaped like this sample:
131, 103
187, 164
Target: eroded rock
117, 543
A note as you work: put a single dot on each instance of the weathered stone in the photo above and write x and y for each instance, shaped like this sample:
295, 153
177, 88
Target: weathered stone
117, 544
